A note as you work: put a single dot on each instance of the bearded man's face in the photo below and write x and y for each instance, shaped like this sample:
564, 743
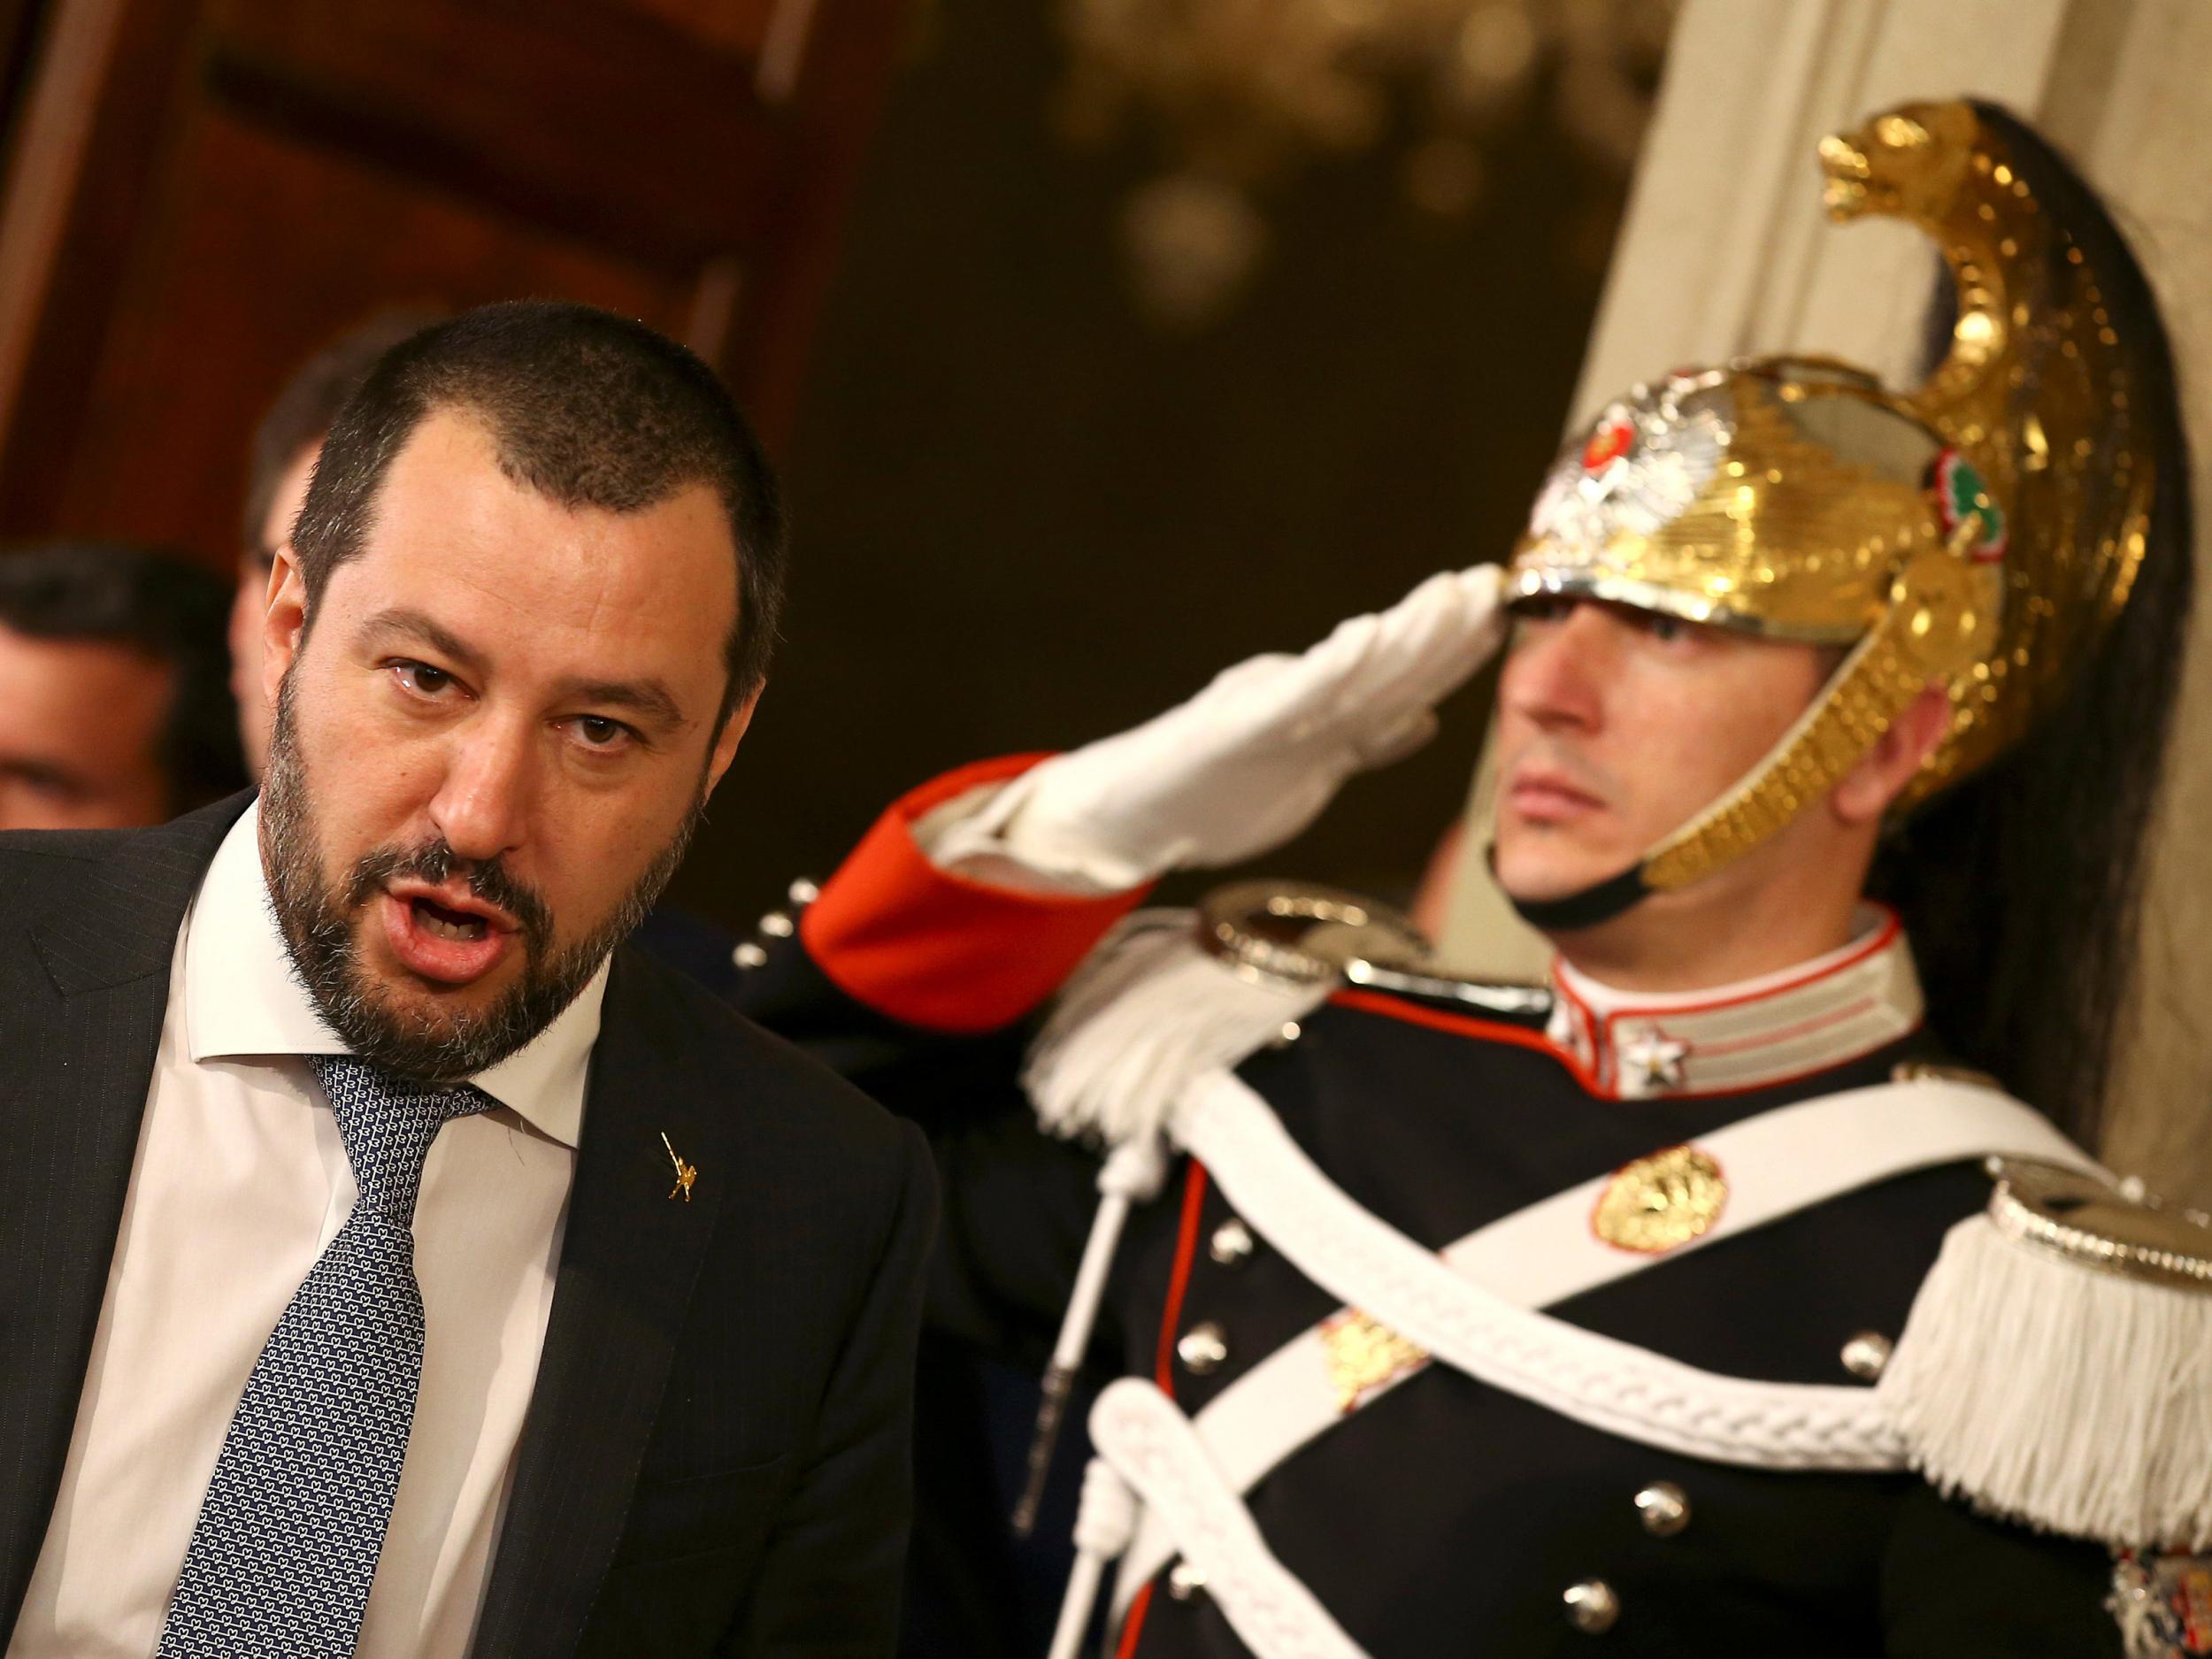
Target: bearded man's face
491, 748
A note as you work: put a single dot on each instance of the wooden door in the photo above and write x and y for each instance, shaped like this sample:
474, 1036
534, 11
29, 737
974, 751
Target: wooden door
201, 192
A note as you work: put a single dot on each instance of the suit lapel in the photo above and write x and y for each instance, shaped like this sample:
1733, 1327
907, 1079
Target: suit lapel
86, 990
629, 1258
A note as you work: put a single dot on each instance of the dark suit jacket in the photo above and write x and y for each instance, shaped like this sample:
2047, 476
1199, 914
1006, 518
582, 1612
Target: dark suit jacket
715, 1458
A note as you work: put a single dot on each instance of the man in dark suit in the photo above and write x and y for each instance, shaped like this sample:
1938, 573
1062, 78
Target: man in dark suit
396, 1262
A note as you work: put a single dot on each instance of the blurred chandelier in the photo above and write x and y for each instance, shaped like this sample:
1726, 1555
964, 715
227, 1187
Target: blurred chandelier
1238, 93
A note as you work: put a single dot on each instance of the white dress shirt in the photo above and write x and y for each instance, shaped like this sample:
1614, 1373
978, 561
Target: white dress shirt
239, 1182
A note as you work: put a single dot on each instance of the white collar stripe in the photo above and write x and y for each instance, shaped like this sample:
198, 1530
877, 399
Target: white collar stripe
1755, 1035
1813, 1028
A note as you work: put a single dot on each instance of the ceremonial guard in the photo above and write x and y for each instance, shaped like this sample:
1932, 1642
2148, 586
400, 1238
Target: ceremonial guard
1667, 1305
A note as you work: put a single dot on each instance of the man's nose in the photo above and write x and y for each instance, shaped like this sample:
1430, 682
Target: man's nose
487, 795
1556, 677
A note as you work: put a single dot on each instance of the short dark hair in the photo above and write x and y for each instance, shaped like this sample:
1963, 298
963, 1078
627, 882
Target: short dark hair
587, 409
161, 607
302, 412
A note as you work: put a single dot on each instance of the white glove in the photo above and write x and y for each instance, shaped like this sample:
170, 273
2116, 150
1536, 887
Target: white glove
1250, 760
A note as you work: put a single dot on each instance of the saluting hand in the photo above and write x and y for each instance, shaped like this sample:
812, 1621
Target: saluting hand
1252, 759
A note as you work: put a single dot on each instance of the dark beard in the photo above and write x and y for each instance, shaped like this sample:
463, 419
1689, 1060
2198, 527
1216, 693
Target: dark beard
317, 924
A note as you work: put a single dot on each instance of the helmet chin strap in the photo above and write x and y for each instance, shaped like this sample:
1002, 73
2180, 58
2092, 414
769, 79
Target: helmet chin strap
1615, 896
1941, 611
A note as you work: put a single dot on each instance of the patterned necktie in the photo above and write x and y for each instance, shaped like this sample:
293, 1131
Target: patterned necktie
286, 1545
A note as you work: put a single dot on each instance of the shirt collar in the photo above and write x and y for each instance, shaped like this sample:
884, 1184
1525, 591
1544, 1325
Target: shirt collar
1752, 1034
241, 999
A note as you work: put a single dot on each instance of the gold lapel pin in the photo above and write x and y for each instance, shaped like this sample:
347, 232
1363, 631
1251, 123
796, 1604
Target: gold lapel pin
686, 1173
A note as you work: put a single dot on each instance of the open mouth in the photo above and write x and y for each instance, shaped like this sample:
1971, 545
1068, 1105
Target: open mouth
445, 935
440, 923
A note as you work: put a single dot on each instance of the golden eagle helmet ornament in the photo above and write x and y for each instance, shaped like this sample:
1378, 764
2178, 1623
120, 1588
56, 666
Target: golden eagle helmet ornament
1979, 533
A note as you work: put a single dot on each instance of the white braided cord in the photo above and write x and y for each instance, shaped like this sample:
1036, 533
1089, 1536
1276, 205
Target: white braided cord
1151, 1444
1608, 1385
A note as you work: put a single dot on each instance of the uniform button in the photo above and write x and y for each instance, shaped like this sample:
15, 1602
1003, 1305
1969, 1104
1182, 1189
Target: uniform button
776, 924
1866, 1355
1201, 1348
1290, 1032
1232, 1243
1591, 1607
804, 892
748, 954
1664, 1508
1184, 1581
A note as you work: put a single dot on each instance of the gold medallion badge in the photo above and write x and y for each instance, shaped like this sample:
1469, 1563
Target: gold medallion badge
1363, 1355
1658, 1203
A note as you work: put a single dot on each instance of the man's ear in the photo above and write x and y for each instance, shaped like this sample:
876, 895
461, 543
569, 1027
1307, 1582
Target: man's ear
732, 735
284, 623
1867, 790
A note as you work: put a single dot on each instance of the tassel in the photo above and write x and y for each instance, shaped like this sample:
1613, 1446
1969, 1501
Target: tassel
1150, 1010
2054, 1393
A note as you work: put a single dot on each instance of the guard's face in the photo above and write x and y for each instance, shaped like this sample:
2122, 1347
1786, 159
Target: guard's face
492, 744
1616, 727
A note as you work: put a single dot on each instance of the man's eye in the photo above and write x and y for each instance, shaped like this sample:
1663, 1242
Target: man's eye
1662, 627
423, 679
598, 731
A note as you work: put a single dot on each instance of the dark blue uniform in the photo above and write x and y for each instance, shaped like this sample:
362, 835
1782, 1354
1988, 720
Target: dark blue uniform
1449, 1517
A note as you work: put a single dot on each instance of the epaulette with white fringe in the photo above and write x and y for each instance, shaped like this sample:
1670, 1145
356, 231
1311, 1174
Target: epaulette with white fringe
2057, 1368
1172, 994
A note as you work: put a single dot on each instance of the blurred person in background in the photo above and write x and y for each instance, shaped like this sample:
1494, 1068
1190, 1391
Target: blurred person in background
279, 465
114, 705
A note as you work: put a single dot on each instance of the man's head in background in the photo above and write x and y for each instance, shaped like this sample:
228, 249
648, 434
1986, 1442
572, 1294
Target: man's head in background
282, 458
115, 706
512, 645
